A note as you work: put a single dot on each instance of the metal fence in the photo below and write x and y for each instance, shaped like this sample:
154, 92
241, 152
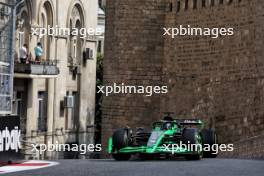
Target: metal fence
7, 30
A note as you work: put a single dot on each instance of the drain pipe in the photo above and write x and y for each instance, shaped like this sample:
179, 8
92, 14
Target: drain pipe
55, 80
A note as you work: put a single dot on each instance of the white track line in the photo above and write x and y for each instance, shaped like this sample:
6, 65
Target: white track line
28, 165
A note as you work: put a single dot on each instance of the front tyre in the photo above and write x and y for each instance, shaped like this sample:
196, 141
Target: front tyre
192, 137
209, 139
120, 138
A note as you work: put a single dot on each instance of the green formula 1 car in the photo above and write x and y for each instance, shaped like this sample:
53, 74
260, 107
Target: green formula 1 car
168, 137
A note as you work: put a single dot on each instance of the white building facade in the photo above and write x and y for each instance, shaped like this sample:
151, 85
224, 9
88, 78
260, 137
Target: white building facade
55, 97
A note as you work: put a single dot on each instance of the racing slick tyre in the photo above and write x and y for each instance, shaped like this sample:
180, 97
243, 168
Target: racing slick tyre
209, 139
190, 136
121, 138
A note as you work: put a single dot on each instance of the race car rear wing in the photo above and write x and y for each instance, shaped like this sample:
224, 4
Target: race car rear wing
189, 121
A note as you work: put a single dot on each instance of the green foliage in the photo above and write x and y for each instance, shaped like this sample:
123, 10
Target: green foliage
99, 97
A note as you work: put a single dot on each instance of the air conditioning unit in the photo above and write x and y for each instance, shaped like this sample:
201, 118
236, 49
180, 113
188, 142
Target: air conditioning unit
68, 102
88, 54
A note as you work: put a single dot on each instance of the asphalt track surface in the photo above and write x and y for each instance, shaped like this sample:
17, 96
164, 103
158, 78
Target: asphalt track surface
205, 167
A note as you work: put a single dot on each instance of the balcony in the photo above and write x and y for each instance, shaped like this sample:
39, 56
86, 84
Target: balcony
36, 70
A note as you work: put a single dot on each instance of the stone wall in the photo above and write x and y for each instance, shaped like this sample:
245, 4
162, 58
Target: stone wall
218, 80
134, 56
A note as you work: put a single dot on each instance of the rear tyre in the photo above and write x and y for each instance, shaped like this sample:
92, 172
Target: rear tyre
191, 136
209, 139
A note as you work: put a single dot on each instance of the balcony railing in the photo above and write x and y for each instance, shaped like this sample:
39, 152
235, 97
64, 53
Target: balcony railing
37, 68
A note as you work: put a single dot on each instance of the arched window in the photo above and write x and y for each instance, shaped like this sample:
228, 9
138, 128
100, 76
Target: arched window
186, 4
43, 40
212, 2
194, 4
76, 43
46, 20
24, 29
79, 41
178, 6
203, 3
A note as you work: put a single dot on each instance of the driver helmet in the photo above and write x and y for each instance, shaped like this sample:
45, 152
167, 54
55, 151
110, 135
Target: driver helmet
168, 126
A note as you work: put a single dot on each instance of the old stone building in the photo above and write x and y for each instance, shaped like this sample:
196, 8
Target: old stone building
101, 25
55, 97
219, 80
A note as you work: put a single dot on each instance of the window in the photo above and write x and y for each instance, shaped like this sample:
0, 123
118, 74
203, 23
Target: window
17, 104
186, 4
21, 39
74, 49
212, 2
203, 3
79, 44
76, 43
42, 112
2, 13
43, 40
178, 8
170, 7
100, 3
73, 112
99, 49
194, 4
